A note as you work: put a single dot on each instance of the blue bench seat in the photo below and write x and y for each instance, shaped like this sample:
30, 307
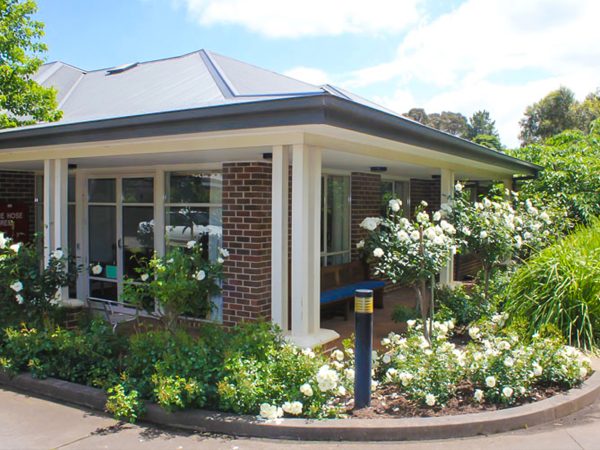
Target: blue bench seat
346, 291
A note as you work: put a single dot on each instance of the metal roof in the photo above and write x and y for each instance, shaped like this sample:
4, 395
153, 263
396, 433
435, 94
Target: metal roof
214, 88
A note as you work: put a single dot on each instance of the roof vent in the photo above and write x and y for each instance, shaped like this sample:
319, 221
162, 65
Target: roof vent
121, 68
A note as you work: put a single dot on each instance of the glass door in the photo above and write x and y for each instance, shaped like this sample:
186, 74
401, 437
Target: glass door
120, 231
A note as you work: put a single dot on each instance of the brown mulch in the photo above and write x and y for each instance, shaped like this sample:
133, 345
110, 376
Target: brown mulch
387, 402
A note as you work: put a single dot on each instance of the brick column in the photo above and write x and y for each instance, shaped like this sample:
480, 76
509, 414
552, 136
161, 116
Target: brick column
428, 190
365, 191
247, 236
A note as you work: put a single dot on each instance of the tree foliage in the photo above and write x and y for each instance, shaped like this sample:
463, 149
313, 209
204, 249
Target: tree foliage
571, 179
22, 100
556, 112
479, 128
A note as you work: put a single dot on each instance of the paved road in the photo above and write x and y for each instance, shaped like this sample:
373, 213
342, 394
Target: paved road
31, 423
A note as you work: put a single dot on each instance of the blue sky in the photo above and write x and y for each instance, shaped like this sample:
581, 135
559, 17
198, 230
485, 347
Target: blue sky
459, 55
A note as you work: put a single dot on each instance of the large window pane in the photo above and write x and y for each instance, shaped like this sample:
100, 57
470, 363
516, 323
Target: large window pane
335, 219
102, 190
103, 289
103, 237
190, 187
138, 190
138, 237
202, 224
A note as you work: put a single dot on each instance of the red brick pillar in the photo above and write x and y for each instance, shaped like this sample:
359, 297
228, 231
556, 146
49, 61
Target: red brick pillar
365, 191
247, 236
428, 190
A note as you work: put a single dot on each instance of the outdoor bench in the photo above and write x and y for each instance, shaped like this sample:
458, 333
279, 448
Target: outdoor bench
339, 282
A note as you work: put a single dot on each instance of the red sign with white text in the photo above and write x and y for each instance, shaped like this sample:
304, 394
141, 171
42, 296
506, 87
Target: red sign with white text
14, 221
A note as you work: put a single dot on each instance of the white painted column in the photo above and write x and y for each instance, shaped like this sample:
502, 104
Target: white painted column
80, 234
446, 192
48, 208
508, 184
279, 230
306, 229
61, 213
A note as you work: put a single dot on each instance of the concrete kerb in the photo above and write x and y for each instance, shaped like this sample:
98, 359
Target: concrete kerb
330, 429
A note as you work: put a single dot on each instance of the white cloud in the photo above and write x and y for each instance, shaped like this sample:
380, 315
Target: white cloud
293, 19
497, 55
308, 75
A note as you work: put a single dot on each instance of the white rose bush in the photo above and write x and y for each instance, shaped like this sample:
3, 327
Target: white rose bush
410, 252
496, 367
28, 289
499, 231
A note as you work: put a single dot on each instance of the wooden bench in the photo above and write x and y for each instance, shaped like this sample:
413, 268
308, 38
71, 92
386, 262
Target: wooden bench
339, 282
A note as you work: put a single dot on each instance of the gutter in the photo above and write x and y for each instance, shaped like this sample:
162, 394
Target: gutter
316, 109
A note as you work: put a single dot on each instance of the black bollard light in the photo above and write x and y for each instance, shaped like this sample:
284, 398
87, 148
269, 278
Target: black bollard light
363, 346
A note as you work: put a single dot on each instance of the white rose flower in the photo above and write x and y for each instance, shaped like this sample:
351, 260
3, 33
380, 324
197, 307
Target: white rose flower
17, 286
16, 247
490, 381
474, 333
327, 379
458, 187
370, 223
19, 298
537, 370
341, 390
387, 359
414, 235
200, 275
583, 372
424, 204
220, 260
337, 354
378, 252
487, 203
293, 408
395, 205
308, 352
403, 236
360, 244
3, 241
437, 216
430, 399
483, 234
144, 277
306, 390
190, 244
422, 217
57, 254
466, 231
509, 362
478, 395
97, 269
411, 323
224, 252
349, 373
270, 412
507, 392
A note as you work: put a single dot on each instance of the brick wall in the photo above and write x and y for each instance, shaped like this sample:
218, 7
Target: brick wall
425, 189
247, 236
19, 187
365, 191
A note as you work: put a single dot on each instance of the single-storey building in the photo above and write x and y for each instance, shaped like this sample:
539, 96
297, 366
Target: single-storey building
277, 171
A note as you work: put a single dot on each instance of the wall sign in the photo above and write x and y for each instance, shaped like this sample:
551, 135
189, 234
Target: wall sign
14, 221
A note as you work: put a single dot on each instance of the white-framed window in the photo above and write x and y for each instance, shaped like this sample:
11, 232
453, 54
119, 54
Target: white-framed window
193, 209
397, 189
335, 219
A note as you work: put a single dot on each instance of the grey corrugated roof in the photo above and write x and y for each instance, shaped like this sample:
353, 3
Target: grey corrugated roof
204, 91
194, 80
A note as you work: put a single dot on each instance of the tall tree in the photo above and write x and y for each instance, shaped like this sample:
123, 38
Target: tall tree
587, 111
551, 115
418, 115
481, 123
22, 100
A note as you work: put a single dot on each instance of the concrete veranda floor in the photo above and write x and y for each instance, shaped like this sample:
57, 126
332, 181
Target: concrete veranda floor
32, 423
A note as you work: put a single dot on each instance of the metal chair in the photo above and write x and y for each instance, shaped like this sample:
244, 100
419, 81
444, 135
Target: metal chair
115, 318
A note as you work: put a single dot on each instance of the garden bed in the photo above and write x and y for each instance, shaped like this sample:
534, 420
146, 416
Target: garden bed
356, 429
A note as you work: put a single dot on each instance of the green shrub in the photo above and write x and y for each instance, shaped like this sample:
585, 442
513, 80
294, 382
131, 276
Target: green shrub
123, 405
89, 356
403, 313
561, 286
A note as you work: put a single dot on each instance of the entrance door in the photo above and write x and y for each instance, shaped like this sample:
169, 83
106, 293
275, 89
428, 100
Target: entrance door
120, 231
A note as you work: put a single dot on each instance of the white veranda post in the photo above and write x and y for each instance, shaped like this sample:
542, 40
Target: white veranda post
446, 191
56, 210
306, 232
279, 244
